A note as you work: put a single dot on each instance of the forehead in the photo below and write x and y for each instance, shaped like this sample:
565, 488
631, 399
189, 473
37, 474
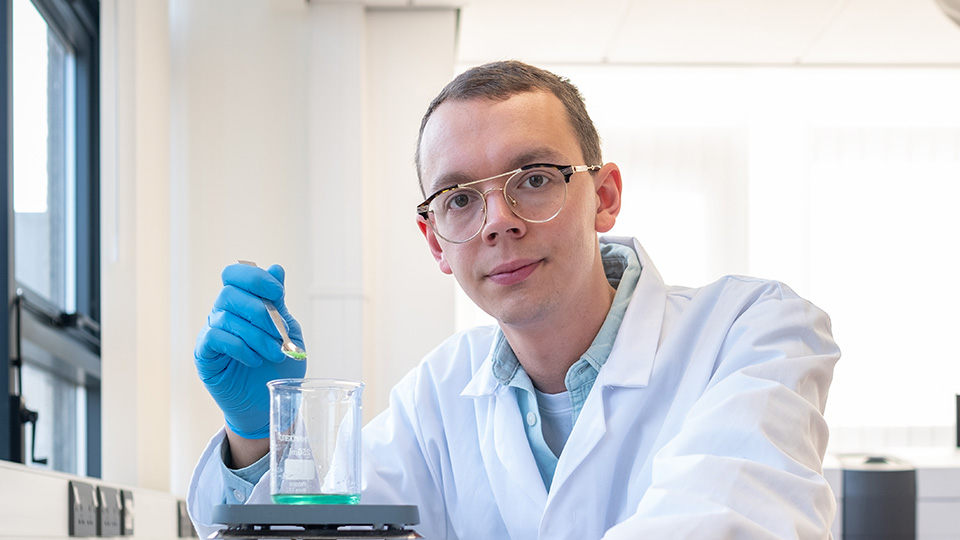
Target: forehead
470, 139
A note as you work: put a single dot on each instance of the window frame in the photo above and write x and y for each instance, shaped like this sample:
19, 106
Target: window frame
64, 344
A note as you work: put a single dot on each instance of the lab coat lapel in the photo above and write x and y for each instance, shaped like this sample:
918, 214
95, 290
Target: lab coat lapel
510, 466
506, 453
513, 450
629, 365
584, 437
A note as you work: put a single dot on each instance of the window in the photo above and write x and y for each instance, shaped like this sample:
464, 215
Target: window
50, 269
842, 182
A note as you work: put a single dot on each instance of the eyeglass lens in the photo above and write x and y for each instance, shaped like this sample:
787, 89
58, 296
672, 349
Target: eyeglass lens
534, 195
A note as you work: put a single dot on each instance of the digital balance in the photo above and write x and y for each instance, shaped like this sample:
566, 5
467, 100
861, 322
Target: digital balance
316, 521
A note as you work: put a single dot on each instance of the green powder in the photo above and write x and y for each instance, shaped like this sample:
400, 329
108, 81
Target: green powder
296, 355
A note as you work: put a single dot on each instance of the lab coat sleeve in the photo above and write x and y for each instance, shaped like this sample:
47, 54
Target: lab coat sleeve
206, 488
746, 461
395, 470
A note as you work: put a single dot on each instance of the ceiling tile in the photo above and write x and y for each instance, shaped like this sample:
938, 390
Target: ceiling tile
538, 30
708, 31
730, 31
888, 31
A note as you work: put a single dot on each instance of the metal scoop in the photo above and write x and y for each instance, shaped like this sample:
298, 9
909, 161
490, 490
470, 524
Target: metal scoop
288, 347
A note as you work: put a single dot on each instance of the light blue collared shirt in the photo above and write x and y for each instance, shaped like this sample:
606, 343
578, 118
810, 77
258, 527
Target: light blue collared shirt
622, 267
238, 483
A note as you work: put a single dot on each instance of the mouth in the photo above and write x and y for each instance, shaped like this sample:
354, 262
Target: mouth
513, 272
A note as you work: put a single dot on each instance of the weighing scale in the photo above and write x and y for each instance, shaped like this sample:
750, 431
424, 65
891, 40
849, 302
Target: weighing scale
316, 521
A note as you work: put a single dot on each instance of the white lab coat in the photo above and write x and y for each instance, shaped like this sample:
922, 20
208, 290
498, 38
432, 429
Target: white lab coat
705, 423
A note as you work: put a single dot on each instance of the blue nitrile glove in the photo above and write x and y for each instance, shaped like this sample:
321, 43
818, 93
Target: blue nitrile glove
238, 351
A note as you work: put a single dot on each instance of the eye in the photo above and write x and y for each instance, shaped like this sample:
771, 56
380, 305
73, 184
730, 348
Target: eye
459, 200
536, 179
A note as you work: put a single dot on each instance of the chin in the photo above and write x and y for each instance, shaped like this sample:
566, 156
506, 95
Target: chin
520, 313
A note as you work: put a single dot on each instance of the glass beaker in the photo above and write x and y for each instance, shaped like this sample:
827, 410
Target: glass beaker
315, 441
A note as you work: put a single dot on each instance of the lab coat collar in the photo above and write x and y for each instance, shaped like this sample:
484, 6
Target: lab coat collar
642, 321
484, 382
640, 330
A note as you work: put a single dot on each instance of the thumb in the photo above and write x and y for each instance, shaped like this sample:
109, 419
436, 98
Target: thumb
277, 272
293, 327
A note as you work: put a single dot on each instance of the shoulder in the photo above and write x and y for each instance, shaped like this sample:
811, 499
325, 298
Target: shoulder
734, 307
745, 287
734, 294
758, 313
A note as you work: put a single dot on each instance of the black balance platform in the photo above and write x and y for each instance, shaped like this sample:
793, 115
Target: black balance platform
316, 521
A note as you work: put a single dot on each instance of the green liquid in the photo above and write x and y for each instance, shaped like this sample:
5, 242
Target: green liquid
315, 498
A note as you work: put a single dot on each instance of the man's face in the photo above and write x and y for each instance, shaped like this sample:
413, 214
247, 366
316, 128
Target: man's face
516, 271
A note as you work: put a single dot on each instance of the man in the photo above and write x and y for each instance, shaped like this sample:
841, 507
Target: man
602, 404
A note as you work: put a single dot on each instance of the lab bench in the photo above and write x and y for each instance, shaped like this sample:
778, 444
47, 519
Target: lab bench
39, 504
34, 503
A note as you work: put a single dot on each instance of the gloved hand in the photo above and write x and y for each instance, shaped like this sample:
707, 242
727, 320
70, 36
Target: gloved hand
238, 351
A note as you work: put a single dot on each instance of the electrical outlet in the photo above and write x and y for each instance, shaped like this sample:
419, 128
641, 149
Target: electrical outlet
126, 521
83, 509
108, 523
183, 521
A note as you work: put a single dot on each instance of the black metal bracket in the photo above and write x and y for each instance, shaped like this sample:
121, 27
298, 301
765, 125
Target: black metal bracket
18, 407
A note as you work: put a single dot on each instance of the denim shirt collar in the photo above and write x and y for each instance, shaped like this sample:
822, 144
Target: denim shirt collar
622, 268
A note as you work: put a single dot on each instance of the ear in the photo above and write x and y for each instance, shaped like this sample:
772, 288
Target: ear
609, 189
434, 244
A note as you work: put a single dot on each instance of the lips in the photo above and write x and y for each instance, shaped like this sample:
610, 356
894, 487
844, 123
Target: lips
513, 272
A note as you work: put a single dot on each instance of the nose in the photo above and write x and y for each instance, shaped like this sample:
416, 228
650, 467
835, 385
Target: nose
500, 217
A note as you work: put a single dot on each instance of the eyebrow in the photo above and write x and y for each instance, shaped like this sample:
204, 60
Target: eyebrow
539, 154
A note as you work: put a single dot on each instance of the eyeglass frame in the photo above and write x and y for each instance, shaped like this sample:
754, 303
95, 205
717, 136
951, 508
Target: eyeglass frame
423, 209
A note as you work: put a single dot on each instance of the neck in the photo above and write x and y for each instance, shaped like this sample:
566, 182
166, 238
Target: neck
547, 348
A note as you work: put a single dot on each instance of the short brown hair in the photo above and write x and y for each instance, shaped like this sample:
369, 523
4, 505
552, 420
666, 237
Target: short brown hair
503, 80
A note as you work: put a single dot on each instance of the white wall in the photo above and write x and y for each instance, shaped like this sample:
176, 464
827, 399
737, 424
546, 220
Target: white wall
135, 243
413, 308
280, 132
283, 131
239, 168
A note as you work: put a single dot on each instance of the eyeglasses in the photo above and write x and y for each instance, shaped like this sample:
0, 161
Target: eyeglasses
534, 193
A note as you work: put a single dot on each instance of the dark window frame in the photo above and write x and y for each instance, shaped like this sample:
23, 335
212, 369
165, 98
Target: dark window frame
31, 329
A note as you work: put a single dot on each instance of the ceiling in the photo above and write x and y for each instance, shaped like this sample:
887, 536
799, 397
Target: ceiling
736, 32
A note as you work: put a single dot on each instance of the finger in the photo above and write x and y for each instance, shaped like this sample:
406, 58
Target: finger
264, 344
293, 327
254, 280
277, 272
247, 306
216, 350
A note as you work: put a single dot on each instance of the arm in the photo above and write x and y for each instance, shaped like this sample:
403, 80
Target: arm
245, 452
237, 353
